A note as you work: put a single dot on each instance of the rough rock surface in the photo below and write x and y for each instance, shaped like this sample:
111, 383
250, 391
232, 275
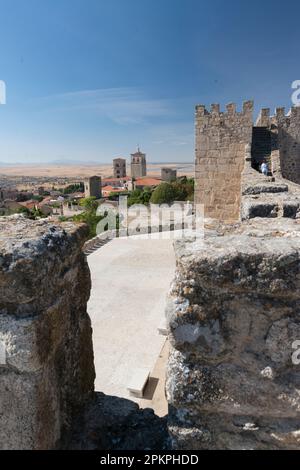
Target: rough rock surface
48, 372
233, 316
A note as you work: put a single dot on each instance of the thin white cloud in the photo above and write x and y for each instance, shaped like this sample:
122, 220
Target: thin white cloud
123, 106
177, 134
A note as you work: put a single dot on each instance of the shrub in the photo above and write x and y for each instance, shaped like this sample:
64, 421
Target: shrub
165, 193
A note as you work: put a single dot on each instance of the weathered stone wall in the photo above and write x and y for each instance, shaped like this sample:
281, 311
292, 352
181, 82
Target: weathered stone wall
220, 152
119, 165
288, 128
92, 187
168, 174
233, 316
47, 374
285, 141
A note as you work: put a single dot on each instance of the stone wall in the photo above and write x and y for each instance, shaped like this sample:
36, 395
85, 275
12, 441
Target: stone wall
47, 372
232, 320
220, 151
288, 128
92, 187
168, 174
285, 141
119, 165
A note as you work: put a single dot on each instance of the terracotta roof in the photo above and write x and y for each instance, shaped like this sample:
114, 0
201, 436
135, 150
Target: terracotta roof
147, 182
29, 204
112, 189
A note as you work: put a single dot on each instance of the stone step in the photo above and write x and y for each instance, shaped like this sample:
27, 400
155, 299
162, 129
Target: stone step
263, 208
266, 188
97, 245
138, 382
162, 328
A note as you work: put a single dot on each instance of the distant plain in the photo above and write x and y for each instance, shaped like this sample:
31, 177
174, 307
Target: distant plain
83, 171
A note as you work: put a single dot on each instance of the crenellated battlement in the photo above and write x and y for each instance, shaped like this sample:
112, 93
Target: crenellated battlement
281, 116
264, 119
231, 110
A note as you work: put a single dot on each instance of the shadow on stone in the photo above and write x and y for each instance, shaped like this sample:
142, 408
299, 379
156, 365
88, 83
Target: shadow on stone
150, 388
112, 423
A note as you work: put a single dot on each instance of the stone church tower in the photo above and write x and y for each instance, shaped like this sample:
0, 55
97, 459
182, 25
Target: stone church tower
119, 167
138, 164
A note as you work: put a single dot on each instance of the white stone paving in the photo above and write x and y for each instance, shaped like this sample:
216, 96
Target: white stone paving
130, 281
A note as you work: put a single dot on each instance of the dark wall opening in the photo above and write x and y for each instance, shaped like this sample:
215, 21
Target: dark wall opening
261, 147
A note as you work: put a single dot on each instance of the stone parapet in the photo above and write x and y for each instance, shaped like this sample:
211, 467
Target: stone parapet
233, 316
47, 373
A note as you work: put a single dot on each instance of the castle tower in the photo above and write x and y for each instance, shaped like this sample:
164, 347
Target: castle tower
221, 139
119, 165
138, 164
92, 187
168, 174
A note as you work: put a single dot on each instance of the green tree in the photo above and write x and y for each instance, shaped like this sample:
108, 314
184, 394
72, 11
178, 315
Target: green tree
37, 214
91, 219
89, 216
146, 195
74, 188
24, 211
180, 190
139, 196
164, 193
32, 214
135, 197
115, 196
89, 203
37, 198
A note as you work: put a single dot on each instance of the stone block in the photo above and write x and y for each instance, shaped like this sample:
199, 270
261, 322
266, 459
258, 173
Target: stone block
233, 317
48, 374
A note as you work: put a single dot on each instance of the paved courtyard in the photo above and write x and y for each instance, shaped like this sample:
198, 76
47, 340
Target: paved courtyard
130, 281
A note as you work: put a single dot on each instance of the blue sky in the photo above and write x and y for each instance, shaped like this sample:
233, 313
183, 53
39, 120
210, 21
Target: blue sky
88, 80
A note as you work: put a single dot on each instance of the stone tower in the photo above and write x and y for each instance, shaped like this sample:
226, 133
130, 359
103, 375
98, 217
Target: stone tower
92, 187
221, 138
138, 164
119, 167
168, 174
